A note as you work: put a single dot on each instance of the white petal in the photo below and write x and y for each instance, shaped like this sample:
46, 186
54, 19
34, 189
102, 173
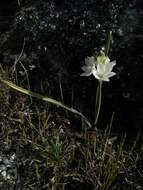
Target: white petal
113, 62
86, 69
101, 69
95, 73
111, 74
109, 66
85, 74
90, 61
106, 79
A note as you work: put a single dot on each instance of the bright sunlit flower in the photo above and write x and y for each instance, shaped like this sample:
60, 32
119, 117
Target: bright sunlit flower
100, 67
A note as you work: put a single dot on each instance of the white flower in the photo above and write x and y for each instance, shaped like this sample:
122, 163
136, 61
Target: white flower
100, 67
90, 66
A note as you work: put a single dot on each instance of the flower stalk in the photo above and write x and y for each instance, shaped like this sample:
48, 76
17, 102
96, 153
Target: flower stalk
99, 88
98, 102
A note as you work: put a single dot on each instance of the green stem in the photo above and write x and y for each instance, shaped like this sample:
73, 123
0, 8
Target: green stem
108, 44
98, 103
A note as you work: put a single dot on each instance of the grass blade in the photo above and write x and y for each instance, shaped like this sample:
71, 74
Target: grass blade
45, 98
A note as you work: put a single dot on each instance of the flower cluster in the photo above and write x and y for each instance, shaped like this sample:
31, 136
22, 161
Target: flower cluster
99, 66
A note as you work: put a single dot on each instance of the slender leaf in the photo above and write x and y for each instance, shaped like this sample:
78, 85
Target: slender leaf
45, 98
